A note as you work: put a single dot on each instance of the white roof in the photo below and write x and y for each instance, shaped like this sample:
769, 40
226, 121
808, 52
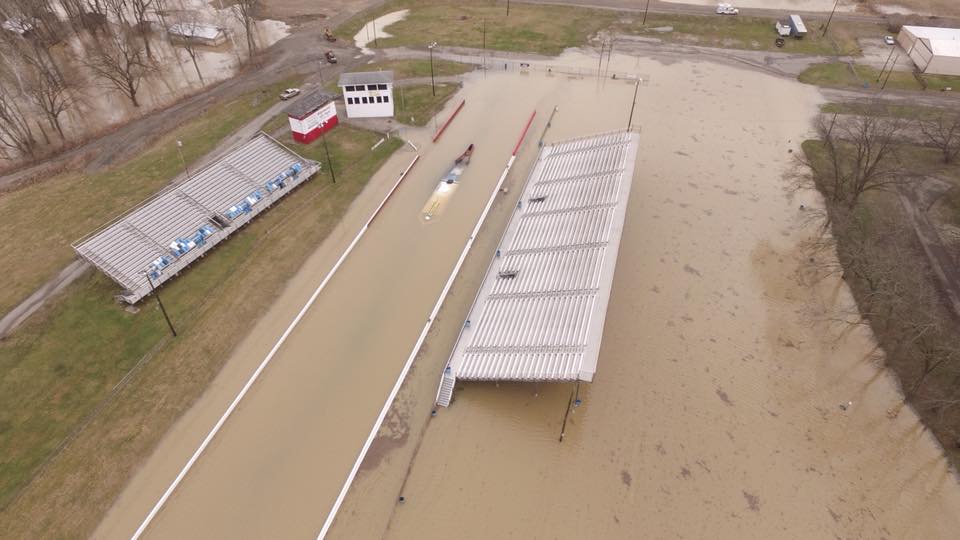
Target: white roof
195, 30
798, 23
943, 41
545, 322
933, 32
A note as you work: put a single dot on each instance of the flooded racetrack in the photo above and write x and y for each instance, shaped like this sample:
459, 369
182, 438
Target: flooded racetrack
716, 408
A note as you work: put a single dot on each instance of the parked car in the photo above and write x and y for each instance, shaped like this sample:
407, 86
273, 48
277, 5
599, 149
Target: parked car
289, 93
889, 40
727, 9
332, 58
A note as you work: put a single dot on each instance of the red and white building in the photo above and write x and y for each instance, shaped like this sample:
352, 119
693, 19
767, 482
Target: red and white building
312, 115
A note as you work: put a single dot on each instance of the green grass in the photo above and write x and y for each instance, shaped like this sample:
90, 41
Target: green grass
529, 28
753, 33
60, 366
416, 105
50, 214
275, 124
838, 74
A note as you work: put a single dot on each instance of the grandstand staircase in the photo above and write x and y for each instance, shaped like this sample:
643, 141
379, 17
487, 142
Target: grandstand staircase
445, 394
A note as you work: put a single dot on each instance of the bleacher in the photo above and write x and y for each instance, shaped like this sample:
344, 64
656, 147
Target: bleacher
540, 310
156, 240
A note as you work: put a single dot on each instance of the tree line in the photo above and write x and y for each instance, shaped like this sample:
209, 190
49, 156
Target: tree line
874, 247
42, 76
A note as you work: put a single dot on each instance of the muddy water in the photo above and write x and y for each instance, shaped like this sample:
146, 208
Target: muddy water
375, 29
277, 465
175, 76
715, 412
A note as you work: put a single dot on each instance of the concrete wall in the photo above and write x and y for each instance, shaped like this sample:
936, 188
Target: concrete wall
944, 65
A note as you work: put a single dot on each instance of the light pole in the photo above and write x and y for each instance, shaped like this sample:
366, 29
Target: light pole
160, 303
433, 87
326, 149
182, 161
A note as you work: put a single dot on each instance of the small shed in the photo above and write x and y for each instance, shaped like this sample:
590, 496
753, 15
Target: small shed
203, 34
312, 115
368, 94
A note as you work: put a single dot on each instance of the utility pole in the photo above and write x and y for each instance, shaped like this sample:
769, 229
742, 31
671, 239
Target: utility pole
600, 63
635, 89
830, 18
374, 22
433, 87
484, 44
160, 303
889, 56
508, 8
645, 10
884, 85
326, 149
609, 54
182, 162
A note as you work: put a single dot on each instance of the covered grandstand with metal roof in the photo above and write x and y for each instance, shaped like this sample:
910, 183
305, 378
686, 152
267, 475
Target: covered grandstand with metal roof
156, 240
539, 313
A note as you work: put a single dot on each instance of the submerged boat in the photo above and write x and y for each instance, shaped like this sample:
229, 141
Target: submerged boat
445, 189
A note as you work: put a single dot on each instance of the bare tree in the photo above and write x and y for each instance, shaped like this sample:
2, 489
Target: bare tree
15, 132
944, 133
244, 11
52, 96
855, 154
189, 18
119, 61
119, 10
140, 9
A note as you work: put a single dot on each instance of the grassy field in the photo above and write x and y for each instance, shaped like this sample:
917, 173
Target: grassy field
839, 74
59, 371
752, 33
416, 105
75, 203
529, 28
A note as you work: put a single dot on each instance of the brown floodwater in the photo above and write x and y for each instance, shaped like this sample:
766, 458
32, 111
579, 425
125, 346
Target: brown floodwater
724, 406
715, 411
278, 463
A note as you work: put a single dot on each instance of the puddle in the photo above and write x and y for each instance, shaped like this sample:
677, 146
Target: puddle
374, 29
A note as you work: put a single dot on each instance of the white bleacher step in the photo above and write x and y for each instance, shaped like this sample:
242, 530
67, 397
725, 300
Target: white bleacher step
445, 395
